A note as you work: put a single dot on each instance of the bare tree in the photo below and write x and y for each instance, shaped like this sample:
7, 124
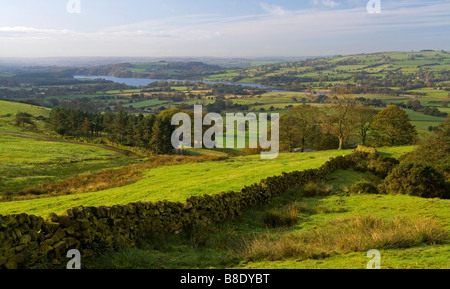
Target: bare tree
298, 126
339, 121
363, 116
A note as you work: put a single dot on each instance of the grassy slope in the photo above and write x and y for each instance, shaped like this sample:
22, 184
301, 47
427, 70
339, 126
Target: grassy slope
214, 247
27, 162
9, 109
384, 207
177, 183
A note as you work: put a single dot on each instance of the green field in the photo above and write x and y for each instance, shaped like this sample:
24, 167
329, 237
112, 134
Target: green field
39, 157
12, 108
422, 121
28, 162
8, 111
177, 183
173, 183
227, 245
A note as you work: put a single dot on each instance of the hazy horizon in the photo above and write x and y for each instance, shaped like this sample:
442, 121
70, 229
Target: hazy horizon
219, 29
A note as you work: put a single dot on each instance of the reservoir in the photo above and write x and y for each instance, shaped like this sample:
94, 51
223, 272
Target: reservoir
141, 82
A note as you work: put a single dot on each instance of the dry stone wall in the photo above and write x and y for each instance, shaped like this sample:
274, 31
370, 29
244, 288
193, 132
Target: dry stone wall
27, 241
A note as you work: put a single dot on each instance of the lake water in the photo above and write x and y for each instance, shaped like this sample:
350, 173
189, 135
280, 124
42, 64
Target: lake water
140, 82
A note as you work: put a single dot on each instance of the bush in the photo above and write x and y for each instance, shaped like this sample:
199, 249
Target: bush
376, 164
365, 149
415, 180
381, 166
363, 187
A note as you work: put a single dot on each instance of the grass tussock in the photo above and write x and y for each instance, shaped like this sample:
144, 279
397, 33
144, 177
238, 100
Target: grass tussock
105, 179
316, 190
284, 217
346, 235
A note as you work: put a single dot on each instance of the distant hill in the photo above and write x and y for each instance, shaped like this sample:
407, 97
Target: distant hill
9, 109
161, 70
385, 70
117, 70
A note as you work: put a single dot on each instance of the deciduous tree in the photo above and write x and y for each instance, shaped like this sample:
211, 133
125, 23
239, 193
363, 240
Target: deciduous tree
392, 127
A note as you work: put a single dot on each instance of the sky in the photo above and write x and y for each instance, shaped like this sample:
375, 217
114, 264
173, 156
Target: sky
225, 28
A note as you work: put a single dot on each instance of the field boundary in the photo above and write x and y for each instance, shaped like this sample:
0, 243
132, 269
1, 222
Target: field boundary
28, 240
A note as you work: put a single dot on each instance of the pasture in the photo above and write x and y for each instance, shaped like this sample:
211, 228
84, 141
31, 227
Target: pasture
27, 162
326, 235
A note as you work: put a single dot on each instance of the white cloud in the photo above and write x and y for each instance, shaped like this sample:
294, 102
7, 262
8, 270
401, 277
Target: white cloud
327, 3
301, 32
330, 3
273, 9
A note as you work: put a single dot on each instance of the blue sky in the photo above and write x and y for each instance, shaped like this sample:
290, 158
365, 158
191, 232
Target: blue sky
245, 28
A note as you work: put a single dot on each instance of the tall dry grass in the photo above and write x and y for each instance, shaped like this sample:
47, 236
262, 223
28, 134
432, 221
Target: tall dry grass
284, 217
346, 235
106, 179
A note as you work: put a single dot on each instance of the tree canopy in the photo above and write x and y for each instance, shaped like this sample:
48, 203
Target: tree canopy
392, 127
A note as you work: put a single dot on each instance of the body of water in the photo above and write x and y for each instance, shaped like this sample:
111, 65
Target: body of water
141, 82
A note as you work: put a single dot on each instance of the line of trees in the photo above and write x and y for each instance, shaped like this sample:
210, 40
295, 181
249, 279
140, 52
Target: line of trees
417, 106
344, 124
151, 132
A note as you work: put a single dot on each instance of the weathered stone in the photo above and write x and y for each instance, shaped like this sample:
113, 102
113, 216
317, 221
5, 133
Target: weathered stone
84, 224
33, 246
52, 217
32, 257
24, 228
34, 235
44, 249
70, 230
25, 239
60, 247
19, 248
11, 264
19, 258
9, 253
58, 235
3, 224
79, 212
65, 221
17, 235
68, 213
47, 242
72, 243
36, 222
49, 227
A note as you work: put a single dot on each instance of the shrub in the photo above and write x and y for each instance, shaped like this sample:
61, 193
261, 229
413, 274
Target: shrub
376, 164
365, 149
415, 180
381, 166
363, 187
